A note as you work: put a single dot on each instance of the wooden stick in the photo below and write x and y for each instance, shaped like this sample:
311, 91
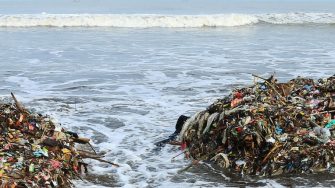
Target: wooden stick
81, 140
174, 143
178, 155
271, 85
104, 161
323, 112
86, 154
92, 147
95, 157
271, 151
17, 103
312, 122
91, 153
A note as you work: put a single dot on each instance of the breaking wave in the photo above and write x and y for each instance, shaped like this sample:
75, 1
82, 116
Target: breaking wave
156, 20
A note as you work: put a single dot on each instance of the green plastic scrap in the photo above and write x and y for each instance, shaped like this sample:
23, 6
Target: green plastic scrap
330, 124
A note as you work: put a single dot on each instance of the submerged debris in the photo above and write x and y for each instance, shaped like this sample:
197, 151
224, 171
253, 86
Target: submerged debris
36, 152
268, 128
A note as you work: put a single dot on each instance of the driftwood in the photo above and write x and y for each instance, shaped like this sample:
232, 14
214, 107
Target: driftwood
18, 104
89, 155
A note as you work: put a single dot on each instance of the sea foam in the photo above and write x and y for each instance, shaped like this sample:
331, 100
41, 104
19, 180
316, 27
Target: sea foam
156, 20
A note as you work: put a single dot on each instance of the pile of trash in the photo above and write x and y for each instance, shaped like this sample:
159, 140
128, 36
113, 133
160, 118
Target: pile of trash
36, 152
269, 128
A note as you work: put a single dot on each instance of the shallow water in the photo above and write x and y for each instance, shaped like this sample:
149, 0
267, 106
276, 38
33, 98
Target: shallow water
125, 88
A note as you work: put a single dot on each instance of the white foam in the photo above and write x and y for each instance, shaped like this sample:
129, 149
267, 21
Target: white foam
298, 18
23, 82
114, 20
270, 183
156, 20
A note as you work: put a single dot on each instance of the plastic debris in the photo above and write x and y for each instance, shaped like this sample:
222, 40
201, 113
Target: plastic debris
269, 128
36, 152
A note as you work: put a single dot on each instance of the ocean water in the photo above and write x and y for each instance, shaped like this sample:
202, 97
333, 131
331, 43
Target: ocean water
121, 72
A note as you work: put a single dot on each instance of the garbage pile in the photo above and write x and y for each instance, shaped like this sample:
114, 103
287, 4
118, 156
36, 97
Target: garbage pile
269, 128
36, 152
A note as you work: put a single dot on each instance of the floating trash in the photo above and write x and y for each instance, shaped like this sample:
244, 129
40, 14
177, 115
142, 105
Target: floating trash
36, 152
266, 129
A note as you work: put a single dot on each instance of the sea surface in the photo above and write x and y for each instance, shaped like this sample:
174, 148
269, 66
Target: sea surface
121, 73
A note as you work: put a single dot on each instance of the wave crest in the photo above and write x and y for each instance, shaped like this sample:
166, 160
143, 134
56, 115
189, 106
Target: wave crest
143, 21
